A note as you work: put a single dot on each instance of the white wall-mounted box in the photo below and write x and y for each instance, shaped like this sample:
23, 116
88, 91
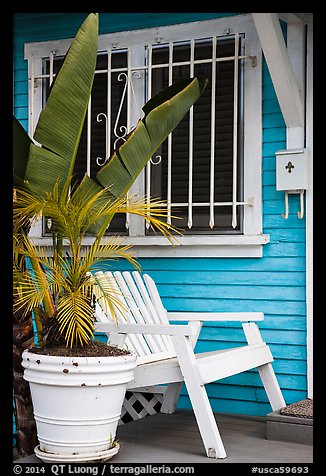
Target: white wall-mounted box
292, 169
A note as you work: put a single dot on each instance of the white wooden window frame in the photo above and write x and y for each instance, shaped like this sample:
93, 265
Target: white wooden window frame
248, 244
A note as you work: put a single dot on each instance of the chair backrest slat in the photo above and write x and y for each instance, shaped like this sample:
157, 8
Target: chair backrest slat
154, 342
156, 299
140, 303
158, 317
134, 342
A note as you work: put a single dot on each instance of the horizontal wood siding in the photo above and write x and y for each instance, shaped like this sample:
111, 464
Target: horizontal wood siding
273, 284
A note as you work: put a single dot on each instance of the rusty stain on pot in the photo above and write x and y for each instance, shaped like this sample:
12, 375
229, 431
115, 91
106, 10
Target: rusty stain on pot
38, 361
83, 385
75, 364
65, 371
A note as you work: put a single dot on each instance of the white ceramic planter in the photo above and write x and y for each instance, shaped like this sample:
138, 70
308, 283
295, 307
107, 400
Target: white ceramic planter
77, 402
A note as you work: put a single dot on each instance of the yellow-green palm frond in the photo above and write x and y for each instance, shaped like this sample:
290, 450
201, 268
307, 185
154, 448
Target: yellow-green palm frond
154, 211
98, 210
74, 276
28, 294
113, 249
24, 247
31, 290
63, 213
86, 210
75, 318
27, 207
31, 283
108, 295
74, 213
31, 206
26, 252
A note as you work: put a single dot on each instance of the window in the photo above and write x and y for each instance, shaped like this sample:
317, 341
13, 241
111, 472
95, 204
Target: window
209, 168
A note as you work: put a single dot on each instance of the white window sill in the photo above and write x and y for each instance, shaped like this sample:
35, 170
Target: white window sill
236, 246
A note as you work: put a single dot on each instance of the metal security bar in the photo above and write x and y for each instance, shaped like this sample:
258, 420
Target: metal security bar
213, 102
115, 132
191, 132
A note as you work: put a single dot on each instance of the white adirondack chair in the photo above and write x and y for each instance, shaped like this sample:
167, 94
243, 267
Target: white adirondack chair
165, 351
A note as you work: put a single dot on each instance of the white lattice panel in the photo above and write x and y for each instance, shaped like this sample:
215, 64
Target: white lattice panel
137, 405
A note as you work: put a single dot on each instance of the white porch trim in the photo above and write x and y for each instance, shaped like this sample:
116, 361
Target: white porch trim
302, 63
302, 137
294, 17
280, 67
289, 68
200, 246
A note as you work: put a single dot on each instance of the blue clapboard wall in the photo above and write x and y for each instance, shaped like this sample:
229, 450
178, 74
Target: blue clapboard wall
273, 284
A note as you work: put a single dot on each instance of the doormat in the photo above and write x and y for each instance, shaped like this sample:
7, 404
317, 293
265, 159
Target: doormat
302, 409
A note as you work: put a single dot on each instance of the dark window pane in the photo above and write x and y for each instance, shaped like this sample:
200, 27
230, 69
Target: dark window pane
202, 137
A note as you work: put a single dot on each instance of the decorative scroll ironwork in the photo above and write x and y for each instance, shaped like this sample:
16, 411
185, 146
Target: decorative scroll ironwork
120, 132
122, 129
99, 160
158, 160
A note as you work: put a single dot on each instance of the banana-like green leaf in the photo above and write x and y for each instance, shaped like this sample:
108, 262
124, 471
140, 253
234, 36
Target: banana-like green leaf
44, 167
21, 143
61, 121
162, 114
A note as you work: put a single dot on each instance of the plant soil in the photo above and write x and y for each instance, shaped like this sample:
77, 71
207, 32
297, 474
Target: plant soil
93, 349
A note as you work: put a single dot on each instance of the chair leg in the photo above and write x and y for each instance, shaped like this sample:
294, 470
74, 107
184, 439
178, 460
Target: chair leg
171, 397
199, 400
266, 371
272, 387
206, 421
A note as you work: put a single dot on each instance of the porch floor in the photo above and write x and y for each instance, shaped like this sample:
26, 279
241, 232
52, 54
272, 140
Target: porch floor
176, 439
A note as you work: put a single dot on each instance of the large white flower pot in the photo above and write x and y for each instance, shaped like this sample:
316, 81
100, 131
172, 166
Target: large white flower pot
77, 403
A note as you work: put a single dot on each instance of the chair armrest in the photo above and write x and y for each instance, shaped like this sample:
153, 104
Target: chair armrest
154, 329
216, 316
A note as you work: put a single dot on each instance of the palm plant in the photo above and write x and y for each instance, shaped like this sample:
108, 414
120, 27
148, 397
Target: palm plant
61, 287
58, 289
